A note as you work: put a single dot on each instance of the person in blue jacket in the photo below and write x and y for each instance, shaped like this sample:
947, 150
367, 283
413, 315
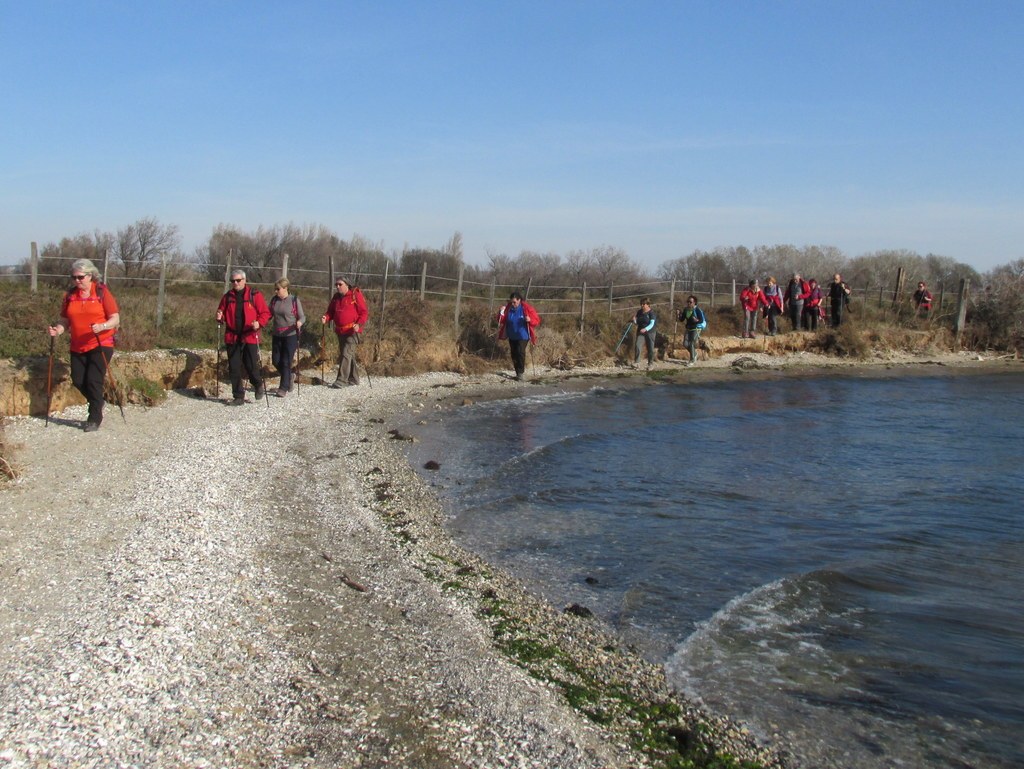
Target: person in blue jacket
693, 317
644, 320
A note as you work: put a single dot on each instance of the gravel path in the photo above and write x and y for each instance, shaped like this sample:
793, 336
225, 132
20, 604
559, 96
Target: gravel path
214, 586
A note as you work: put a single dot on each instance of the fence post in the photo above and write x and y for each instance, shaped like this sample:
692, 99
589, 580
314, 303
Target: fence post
961, 310
734, 292
106, 262
712, 293
672, 297
423, 283
529, 285
942, 289
284, 265
160, 291
458, 296
227, 269
611, 292
383, 304
34, 268
490, 300
583, 306
898, 290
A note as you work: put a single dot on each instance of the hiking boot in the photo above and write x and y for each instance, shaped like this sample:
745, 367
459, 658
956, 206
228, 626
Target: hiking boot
338, 384
280, 392
237, 401
90, 427
259, 391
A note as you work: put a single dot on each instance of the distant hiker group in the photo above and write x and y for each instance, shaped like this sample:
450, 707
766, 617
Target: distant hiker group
801, 301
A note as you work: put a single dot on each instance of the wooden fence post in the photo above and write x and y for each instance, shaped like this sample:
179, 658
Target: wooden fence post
458, 296
961, 310
583, 306
712, 293
423, 283
34, 268
160, 291
106, 263
611, 292
897, 291
734, 292
383, 304
284, 265
529, 285
227, 269
490, 300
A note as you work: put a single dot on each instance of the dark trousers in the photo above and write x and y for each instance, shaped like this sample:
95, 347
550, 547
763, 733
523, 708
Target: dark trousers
88, 370
281, 354
247, 355
518, 349
837, 313
811, 318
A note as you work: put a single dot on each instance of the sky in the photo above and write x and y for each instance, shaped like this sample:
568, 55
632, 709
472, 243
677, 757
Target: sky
658, 128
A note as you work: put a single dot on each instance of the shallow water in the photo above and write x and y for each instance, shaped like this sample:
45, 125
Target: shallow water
832, 559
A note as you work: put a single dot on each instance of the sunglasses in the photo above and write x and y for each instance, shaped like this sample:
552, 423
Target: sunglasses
79, 277
238, 280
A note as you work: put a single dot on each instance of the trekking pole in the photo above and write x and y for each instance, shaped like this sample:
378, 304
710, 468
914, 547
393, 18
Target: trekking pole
263, 373
533, 361
323, 353
624, 335
216, 371
110, 376
49, 382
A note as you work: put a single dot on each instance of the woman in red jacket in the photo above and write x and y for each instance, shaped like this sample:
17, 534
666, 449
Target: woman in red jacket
347, 311
752, 298
90, 314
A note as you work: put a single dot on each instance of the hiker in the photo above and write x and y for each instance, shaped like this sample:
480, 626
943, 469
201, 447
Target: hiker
773, 309
644, 320
695, 321
922, 300
288, 318
752, 298
89, 313
348, 312
796, 294
839, 298
812, 306
243, 311
516, 322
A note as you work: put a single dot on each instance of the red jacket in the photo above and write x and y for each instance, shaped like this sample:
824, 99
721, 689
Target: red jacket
532, 320
805, 291
347, 311
255, 308
751, 300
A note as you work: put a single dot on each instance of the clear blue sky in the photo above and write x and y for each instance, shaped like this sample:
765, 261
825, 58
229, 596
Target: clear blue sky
655, 127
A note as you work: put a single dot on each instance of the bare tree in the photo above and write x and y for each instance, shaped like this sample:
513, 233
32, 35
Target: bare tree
140, 245
56, 258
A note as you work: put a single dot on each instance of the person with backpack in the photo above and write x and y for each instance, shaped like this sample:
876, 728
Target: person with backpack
695, 321
772, 311
347, 311
90, 315
796, 294
644, 320
516, 322
243, 311
923, 300
839, 298
288, 318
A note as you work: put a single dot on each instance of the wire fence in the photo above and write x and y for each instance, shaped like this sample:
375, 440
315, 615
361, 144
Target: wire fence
570, 301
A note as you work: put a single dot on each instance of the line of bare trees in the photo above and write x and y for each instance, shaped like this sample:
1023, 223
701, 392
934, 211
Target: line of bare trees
137, 250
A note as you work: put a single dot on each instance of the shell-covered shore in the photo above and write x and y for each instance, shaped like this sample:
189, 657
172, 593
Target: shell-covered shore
198, 585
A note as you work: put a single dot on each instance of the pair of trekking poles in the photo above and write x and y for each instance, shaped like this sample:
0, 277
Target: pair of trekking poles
238, 343
108, 373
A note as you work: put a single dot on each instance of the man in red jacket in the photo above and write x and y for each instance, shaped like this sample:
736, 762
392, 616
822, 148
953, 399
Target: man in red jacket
348, 312
243, 311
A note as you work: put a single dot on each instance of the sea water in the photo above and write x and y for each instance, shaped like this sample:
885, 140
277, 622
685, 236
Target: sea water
837, 562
